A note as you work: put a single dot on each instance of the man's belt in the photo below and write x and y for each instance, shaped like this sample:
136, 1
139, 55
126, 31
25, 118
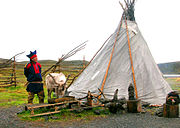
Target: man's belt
39, 82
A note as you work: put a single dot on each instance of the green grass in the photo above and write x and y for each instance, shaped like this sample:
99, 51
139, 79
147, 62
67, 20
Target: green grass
67, 116
174, 82
11, 96
17, 95
14, 96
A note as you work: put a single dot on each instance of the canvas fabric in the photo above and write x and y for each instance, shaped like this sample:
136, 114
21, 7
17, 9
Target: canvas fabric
151, 86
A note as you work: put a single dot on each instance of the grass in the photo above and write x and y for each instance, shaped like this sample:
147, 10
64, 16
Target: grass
67, 116
11, 96
15, 96
174, 82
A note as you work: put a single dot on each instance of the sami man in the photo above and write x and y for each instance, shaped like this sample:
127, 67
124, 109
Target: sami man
32, 71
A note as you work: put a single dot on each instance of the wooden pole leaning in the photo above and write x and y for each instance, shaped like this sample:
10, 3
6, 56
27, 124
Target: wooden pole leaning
94, 56
130, 54
104, 80
90, 60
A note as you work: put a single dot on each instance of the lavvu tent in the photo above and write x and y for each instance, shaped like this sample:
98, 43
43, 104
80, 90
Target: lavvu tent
125, 59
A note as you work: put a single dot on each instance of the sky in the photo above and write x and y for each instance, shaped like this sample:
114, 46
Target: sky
54, 27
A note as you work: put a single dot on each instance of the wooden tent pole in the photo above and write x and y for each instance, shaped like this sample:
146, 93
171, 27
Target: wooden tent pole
90, 60
102, 86
130, 54
94, 56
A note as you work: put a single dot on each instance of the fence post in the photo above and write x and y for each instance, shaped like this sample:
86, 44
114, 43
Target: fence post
84, 64
59, 67
14, 71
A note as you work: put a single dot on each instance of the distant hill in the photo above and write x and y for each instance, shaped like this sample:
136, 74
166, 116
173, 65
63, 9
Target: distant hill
51, 62
5, 63
170, 68
41, 62
166, 68
3, 60
46, 62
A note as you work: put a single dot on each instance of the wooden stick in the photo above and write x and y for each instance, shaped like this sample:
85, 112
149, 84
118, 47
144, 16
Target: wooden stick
104, 80
95, 54
122, 5
102, 93
50, 105
133, 2
131, 60
126, 3
90, 60
44, 114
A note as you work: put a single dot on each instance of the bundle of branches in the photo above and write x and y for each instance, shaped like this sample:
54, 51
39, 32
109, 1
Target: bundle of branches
65, 56
129, 9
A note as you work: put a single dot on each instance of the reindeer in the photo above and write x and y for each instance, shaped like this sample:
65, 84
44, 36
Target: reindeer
56, 82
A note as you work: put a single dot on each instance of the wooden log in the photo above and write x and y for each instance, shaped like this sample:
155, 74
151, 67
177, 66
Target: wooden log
29, 107
5, 86
45, 114
170, 111
58, 100
5, 81
9, 68
32, 111
134, 106
89, 99
114, 104
164, 110
102, 93
5, 77
55, 112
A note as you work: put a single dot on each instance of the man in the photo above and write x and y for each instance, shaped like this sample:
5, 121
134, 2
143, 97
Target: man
32, 71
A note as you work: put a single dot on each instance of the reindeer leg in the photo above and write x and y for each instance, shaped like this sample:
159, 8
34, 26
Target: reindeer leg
64, 90
57, 92
49, 93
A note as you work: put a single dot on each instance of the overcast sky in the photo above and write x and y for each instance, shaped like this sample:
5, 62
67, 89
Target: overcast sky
53, 27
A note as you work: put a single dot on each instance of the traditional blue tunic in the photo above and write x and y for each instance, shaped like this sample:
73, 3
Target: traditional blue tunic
32, 71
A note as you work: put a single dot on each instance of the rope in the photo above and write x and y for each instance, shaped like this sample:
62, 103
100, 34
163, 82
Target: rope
130, 54
102, 86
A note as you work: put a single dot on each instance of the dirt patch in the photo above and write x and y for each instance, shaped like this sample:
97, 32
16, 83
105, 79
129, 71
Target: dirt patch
9, 118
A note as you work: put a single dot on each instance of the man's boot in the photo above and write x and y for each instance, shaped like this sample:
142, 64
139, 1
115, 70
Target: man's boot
30, 98
41, 96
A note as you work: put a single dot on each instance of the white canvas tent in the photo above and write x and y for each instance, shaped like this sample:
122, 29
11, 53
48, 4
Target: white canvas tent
148, 80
